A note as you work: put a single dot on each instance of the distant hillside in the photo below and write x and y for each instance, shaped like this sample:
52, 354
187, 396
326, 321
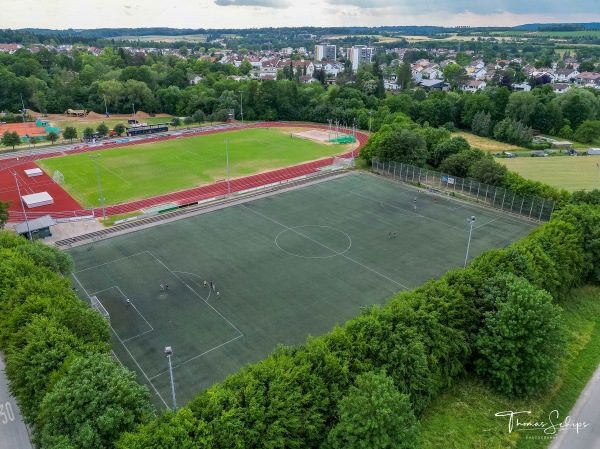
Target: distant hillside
557, 26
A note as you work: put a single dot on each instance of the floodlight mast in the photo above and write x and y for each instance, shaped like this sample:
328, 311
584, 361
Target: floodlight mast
470, 220
227, 164
169, 352
24, 111
23, 207
94, 157
242, 104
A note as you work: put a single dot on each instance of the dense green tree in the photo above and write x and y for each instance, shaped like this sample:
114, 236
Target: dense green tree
445, 149
522, 340
102, 130
455, 75
404, 76
403, 146
472, 105
459, 164
33, 368
11, 139
4, 207
488, 171
52, 136
588, 131
119, 129
70, 133
115, 403
88, 132
521, 107
374, 415
482, 124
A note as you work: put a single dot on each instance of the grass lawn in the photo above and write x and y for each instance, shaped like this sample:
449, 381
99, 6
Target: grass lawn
567, 172
464, 416
147, 170
485, 144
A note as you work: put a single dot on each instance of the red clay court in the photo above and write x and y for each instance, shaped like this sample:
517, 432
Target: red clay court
30, 128
66, 207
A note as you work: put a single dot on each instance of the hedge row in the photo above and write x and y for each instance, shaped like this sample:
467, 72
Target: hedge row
422, 339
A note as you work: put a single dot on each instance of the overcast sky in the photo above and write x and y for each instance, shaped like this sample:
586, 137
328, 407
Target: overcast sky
61, 14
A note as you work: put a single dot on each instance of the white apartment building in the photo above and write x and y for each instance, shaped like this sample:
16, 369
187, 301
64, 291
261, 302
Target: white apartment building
325, 51
360, 54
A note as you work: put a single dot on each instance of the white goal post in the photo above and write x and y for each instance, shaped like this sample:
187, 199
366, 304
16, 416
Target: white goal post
58, 177
345, 162
98, 307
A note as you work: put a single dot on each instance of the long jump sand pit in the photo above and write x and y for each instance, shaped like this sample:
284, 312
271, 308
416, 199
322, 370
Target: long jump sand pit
313, 134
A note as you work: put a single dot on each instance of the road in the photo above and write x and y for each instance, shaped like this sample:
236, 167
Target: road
586, 412
13, 433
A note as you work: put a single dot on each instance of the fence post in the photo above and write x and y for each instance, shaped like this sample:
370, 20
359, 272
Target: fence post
512, 202
531, 210
487, 187
522, 203
494, 200
502, 207
542, 208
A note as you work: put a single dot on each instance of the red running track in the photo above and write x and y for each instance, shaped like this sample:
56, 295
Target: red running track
65, 206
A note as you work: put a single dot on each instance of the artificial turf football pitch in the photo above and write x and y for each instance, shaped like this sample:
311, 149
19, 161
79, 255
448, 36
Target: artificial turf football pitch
152, 169
286, 266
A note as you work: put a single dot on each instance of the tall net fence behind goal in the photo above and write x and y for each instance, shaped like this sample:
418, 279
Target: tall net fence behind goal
58, 177
345, 162
98, 307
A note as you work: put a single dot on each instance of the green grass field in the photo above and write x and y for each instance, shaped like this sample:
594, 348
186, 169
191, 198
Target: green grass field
144, 171
287, 266
567, 172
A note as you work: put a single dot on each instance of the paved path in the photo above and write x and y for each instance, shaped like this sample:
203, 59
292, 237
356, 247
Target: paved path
586, 410
13, 433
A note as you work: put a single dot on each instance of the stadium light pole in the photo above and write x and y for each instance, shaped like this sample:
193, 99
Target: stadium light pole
242, 104
94, 157
169, 353
23, 206
596, 177
227, 163
24, 111
470, 221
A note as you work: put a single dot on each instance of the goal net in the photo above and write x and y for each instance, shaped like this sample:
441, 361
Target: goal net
344, 162
98, 307
58, 177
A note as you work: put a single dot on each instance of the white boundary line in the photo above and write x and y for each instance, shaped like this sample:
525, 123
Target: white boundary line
111, 261
197, 356
132, 304
326, 247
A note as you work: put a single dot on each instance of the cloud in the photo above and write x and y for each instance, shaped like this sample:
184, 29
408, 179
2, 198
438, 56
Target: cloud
280, 4
428, 7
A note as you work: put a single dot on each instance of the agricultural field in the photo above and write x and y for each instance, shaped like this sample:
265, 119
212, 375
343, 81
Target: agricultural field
485, 144
148, 170
195, 38
566, 172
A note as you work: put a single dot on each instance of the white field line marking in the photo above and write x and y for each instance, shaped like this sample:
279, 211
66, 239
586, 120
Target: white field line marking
326, 247
113, 173
197, 356
111, 261
138, 365
136, 309
138, 335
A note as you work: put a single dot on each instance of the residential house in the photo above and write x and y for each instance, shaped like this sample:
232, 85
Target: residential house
559, 88
474, 86
566, 75
523, 87
10, 48
590, 79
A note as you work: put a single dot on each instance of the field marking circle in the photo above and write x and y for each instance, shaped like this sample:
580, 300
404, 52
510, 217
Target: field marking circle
336, 253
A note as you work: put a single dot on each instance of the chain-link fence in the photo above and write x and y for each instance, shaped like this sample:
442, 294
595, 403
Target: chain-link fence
532, 207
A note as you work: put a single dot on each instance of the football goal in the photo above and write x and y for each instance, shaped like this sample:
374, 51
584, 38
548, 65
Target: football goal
58, 177
98, 307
